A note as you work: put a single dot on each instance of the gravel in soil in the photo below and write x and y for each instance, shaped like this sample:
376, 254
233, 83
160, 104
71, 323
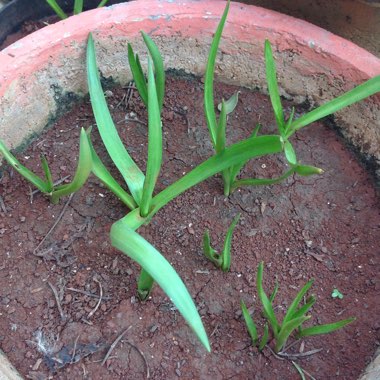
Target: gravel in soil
324, 227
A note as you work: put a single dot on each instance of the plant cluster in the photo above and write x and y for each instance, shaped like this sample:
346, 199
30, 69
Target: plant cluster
295, 317
227, 160
77, 8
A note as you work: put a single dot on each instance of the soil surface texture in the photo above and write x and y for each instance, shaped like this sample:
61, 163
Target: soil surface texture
53, 323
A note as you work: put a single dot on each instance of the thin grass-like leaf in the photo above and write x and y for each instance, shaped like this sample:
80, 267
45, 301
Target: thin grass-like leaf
159, 70
286, 329
105, 176
102, 3
305, 308
221, 130
261, 181
299, 370
232, 155
154, 144
226, 253
274, 94
230, 103
290, 154
267, 306
138, 249
264, 339
82, 172
294, 305
41, 185
325, 329
48, 176
115, 148
138, 75
209, 79
251, 326
290, 120
306, 170
274, 293
78, 6
366, 89
57, 9
210, 252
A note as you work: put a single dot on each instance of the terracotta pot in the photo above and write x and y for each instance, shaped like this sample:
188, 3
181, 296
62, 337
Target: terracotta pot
43, 73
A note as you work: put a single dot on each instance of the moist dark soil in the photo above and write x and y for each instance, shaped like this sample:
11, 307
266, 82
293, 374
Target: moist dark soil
26, 28
324, 227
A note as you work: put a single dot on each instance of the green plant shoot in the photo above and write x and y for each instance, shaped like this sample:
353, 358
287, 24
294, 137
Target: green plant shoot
78, 7
295, 317
222, 260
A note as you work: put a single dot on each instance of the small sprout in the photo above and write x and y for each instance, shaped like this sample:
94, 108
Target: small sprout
231, 103
336, 294
294, 318
222, 260
78, 7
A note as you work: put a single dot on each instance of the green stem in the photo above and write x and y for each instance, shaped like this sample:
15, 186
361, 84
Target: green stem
144, 285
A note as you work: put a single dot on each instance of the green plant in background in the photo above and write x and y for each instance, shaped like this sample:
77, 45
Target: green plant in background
78, 7
222, 260
295, 317
286, 127
141, 199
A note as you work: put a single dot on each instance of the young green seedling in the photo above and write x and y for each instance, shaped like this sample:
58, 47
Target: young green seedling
336, 294
221, 260
78, 7
46, 186
295, 317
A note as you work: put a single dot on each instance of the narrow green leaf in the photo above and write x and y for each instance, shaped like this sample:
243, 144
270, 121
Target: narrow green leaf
251, 326
261, 181
299, 370
286, 329
105, 176
234, 154
226, 253
267, 306
209, 78
154, 144
274, 94
290, 154
48, 176
57, 9
364, 90
294, 305
78, 6
230, 103
138, 249
274, 293
115, 148
304, 309
26, 173
325, 329
290, 120
144, 285
264, 339
102, 3
159, 70
82, 172
210, 252
256, 130
138, 75
221, 131
306, 170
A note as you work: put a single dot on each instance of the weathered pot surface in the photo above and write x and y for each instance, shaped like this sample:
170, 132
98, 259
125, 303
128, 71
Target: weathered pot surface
46, 69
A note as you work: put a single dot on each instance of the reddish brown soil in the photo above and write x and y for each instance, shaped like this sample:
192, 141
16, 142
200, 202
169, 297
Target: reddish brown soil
325, 227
